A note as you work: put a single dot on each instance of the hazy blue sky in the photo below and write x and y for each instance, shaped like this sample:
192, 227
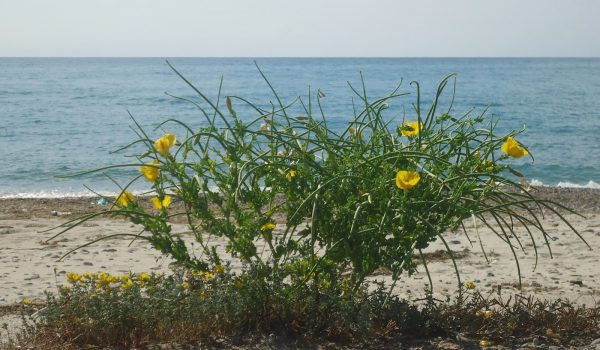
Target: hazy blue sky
171, 28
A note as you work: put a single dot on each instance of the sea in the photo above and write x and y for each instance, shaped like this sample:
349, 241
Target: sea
63, 116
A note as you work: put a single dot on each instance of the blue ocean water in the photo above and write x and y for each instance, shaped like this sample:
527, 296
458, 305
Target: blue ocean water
59, 116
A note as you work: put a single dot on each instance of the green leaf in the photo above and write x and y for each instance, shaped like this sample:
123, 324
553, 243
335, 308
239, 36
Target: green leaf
516, 173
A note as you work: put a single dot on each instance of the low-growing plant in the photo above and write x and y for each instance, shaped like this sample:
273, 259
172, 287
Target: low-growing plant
491, 319
129, 310
300, 202
133, 310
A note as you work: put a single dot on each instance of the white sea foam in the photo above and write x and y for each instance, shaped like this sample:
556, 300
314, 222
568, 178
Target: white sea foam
590, 184
60, 194
536, 182
566, 184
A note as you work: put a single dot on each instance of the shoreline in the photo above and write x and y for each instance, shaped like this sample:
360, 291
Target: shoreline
582, 200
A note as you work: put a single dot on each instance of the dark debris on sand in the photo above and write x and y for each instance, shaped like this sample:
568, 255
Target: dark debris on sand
583, 200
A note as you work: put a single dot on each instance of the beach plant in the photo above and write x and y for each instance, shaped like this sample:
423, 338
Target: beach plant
298, 201
133, 310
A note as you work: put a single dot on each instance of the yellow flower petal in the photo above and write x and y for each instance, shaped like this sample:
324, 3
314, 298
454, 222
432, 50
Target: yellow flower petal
513, 148
208, 276
125, 198
484, 343
268, 227
164, 204
407, 179
290, 175
128, 284
73, 277
470, 285
144, 277
150, 171
411, 129
485, 313
163, 144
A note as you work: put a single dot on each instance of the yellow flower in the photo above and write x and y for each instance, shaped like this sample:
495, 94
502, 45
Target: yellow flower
470, 285
73, 277
513, 148
125, 278
164, 204
290, 175
411, 129
127, 285
144, 278
268, 226
125, 198
185, 285
163, 144
208, 276
219, 269
150, 171
485, 313
104, 279
407, 179
484, 343
114, 278
26, 301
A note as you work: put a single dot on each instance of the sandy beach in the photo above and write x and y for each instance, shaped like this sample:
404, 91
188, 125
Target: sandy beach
30, 265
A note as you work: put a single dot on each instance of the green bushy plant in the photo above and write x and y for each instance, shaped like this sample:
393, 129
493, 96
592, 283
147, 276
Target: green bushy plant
300, 202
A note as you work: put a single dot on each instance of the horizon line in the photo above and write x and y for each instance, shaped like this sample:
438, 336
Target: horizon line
323, 57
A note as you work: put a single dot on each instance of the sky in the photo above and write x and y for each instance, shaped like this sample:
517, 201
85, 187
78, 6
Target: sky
300, 28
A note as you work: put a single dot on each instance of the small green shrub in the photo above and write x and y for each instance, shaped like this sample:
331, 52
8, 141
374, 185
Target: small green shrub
186, 307
132, 310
